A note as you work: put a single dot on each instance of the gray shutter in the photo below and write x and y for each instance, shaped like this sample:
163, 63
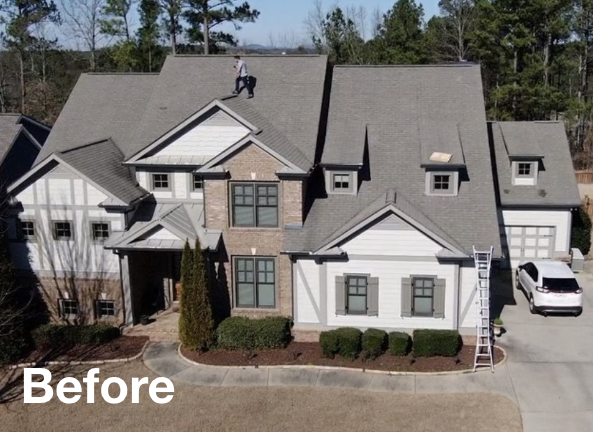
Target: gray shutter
340, 296
439, 298
373, 297
406, 299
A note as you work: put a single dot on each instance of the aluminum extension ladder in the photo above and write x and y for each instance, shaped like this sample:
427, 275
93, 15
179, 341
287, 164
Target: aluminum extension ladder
483, 357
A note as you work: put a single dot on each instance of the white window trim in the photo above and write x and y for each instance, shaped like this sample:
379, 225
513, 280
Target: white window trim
54, 231
329, 184
523, 180
19, 230
191, 183
97, 221
169, 182
68, 316
98, 309
453, 191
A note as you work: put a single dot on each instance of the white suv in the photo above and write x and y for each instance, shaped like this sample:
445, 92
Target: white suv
550, 287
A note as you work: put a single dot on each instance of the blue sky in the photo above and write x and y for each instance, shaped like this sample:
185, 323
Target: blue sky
280, 17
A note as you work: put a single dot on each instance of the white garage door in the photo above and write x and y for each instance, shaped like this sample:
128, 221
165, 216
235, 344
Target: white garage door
525, 243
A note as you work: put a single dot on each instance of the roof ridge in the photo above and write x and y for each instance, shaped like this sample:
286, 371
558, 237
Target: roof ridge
401, 66
89, 144
168, 212
247, 55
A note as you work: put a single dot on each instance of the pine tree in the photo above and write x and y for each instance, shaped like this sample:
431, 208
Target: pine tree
196, 326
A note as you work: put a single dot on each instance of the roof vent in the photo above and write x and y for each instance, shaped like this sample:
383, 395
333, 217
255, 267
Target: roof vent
440, 157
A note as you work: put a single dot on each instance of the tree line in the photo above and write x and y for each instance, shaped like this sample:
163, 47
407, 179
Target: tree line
536, 55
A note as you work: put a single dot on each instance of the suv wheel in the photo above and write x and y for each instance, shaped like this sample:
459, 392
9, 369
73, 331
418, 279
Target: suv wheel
532, 304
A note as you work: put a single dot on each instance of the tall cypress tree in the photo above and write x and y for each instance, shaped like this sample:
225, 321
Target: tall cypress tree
196, 326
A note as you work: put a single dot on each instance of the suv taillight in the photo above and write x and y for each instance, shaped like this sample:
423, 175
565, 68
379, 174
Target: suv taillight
542, 289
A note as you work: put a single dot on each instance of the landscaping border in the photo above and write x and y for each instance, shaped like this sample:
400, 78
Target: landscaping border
80, 362
341, 368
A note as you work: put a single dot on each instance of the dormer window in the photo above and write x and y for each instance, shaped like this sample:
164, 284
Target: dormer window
341, 182
442, 182
524, 173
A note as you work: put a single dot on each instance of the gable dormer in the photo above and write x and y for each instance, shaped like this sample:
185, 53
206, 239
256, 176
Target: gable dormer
441, 157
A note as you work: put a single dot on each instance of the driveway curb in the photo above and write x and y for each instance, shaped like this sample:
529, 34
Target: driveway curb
345, 369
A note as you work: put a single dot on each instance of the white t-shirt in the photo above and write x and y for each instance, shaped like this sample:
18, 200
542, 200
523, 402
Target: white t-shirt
242, 68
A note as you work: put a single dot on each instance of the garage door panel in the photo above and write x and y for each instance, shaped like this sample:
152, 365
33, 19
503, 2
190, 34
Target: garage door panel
528, 242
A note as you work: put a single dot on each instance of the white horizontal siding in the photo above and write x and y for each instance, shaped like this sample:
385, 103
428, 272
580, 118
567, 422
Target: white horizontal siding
94, 195
161, 234
205, 140
560, 219
181, 183
390, 274
308, 306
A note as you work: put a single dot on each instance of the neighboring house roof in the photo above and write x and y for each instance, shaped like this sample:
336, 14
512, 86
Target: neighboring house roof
556, 182
392, 103
101, 106
184, 220
11, 125
101, 162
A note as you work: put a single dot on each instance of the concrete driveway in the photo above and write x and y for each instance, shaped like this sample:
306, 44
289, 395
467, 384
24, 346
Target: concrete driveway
551, 362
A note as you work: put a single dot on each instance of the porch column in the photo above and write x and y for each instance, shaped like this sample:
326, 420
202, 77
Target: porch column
124, 264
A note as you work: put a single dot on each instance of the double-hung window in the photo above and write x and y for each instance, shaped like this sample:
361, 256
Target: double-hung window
423, 296
197, 184
254, 204
68, 308
105, 308
160, 182
255, 282
356, 295
62, 230
100, 231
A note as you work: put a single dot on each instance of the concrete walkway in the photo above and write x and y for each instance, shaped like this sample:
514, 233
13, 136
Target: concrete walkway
162, 358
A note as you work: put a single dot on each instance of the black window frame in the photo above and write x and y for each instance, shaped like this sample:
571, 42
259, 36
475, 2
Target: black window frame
154, 180
99, 308
255, 280
93, 232
21, 230
254, 197
195, 178
358, 286
62, 307
56, 229
415, 279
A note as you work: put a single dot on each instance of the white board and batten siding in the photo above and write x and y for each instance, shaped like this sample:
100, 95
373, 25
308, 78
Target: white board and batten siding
61, 195
180, 187
385, 251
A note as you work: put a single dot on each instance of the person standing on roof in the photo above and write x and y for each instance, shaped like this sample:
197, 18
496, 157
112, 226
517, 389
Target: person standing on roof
242, 77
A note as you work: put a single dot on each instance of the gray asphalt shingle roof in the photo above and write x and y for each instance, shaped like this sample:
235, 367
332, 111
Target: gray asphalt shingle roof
101, 162
393, 101
9, 129
556, 182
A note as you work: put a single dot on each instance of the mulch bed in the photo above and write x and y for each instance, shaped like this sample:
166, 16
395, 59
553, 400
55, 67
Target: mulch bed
303, 353
121, 348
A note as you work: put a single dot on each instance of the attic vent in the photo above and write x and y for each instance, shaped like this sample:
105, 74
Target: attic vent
440, 157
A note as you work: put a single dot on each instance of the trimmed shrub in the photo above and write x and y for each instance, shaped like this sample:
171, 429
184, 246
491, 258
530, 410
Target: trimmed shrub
11, 348
581, 231
374, 343
400, 344
329, 342
53, 335
349, 342
428, 343
240, 333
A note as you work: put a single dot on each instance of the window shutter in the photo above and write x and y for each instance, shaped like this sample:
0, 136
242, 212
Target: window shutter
439, 298
373, 297
340, 295
406, 299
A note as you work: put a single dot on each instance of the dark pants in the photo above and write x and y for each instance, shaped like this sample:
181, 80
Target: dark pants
246, 84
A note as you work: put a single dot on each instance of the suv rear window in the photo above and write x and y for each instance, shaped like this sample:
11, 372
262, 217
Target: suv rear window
564, 285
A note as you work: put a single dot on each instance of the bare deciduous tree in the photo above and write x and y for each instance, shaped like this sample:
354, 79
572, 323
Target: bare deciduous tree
457, 20
81, 18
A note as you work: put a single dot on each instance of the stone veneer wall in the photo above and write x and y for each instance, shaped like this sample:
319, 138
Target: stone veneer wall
254, 165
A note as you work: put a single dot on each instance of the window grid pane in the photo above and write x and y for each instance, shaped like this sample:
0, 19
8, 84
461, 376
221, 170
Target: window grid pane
255, 205
441, 182
423, 296
357, 294
27, 229
197, 183
255, 282
69, 308
341, 181
62, 230
100, 231
524, 169
106, 308
160, 181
